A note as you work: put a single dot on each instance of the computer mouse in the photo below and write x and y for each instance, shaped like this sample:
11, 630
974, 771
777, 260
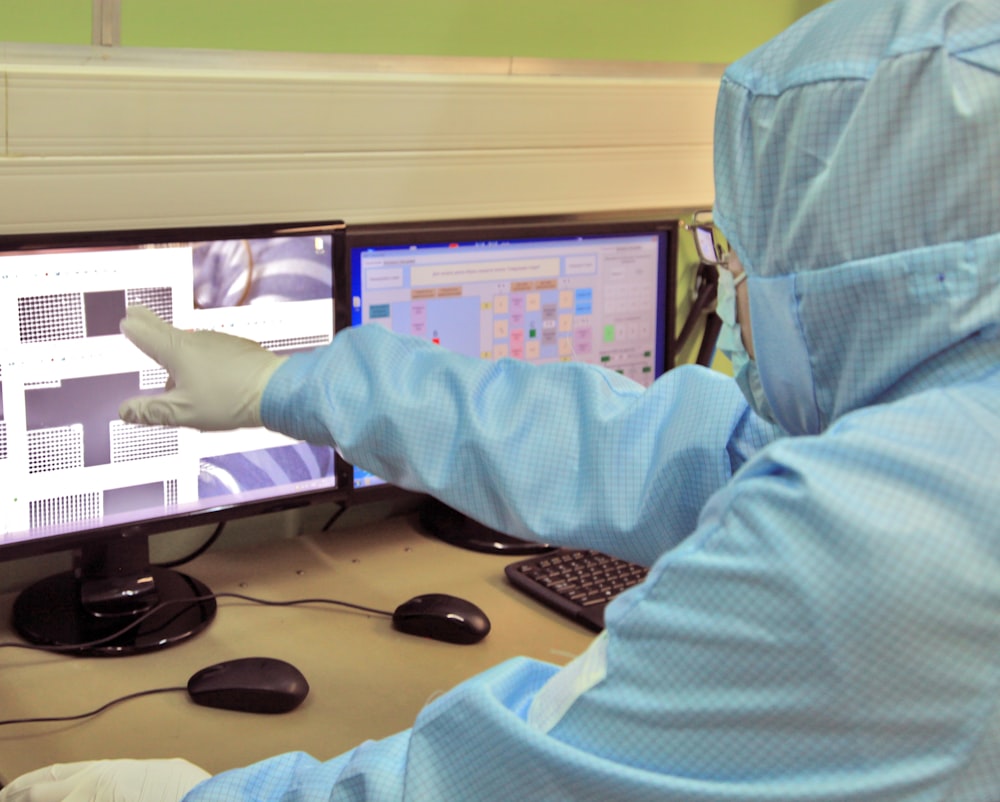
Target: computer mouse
250, 684
442, 617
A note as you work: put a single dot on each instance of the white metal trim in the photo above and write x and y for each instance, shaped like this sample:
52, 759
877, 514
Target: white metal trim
100, 137
106, 26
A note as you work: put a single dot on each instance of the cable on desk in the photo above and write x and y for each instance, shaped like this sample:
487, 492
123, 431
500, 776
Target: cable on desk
298, 602
138, 621
189, 601
97, 711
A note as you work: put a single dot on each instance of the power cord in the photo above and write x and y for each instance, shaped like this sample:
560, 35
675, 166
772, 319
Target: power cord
341, 509
198, 551
212, 538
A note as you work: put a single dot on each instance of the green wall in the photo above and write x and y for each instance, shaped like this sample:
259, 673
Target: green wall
636, 30
63, 22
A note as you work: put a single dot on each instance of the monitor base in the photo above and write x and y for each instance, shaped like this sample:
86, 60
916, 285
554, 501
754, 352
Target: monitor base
453, 527
51, 613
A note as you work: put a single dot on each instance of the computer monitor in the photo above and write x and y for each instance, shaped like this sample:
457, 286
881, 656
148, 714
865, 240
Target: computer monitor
77, 478
597, 288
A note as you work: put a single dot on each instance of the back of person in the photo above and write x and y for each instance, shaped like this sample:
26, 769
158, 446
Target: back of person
857, 171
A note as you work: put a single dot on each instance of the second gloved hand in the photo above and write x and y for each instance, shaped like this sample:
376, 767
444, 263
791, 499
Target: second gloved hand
107, 781
216, 380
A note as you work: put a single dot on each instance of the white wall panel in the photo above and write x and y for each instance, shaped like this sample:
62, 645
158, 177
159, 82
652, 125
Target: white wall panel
100, 137
101, 114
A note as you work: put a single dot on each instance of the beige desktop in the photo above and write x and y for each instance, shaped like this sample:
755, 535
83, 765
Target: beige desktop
367, 680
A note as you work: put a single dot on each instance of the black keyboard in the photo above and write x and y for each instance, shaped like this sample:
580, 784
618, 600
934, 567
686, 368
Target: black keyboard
578, 583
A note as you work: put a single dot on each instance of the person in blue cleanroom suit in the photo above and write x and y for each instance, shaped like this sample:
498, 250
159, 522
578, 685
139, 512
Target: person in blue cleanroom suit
821, 620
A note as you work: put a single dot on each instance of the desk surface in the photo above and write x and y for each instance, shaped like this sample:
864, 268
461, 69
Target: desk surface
367, 680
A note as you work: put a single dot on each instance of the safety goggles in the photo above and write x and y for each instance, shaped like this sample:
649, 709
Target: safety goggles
711, 246
713, 251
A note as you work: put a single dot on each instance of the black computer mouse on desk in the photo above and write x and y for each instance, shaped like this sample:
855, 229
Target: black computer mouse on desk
442, 617
249, 684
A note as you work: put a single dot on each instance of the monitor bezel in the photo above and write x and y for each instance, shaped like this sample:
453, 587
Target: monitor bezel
43, 241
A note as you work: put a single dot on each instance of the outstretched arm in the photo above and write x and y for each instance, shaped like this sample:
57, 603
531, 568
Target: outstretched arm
565, 452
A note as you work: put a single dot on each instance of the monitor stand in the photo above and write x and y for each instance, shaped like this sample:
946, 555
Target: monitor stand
113, 585
453, 527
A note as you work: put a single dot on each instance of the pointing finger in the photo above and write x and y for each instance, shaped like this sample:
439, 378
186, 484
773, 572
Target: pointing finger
148, 333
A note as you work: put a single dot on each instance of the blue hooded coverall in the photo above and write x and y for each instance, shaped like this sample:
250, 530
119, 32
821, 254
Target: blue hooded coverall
821, 619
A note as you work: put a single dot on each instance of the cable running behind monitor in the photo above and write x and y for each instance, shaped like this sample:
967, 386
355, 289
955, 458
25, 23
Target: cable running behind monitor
75, 477
596, 288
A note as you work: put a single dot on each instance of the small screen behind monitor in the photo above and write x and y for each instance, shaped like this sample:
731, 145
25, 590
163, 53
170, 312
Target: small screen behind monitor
598, 289
68, 465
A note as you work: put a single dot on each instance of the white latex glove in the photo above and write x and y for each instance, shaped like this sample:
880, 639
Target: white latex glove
216, 380
107, 781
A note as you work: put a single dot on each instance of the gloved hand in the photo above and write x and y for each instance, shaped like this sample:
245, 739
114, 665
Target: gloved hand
216, 380
107, 781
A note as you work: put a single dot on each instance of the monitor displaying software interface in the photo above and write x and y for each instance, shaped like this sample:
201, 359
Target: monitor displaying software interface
67, 463
594, 292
